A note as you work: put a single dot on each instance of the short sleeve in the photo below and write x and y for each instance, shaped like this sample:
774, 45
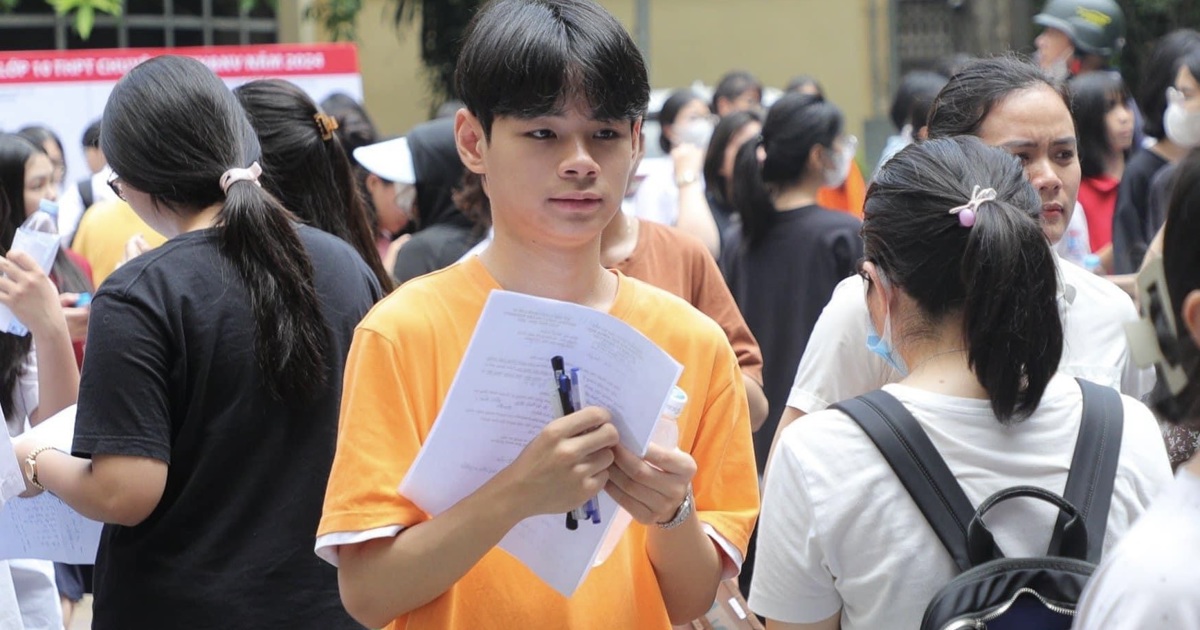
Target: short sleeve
836, 364
377, 442
26, 396
726, 480
792, 582
123, 392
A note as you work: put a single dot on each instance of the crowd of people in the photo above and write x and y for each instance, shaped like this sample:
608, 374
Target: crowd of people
260, 305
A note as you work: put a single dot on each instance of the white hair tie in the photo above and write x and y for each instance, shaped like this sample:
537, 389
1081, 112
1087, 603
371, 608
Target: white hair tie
239, 175
966, 212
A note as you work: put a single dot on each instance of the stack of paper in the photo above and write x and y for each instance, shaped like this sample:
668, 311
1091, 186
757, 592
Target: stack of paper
504, 394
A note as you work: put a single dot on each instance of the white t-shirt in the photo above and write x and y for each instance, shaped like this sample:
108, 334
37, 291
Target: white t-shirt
837, 365
839, 531
1152, 579
657, 198
1076, 241
29, 582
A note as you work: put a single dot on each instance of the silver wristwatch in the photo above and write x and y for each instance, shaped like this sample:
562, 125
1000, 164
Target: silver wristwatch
682, 514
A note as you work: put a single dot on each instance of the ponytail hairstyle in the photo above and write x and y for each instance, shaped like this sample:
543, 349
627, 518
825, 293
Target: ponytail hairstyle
795, 124
999, 274
306, 168
171, 129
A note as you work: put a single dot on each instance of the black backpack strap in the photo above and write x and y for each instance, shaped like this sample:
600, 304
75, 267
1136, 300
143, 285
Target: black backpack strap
1093, 466
919, 466
85, 192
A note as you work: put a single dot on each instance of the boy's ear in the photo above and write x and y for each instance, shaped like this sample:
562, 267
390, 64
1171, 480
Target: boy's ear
638, 139
470, 140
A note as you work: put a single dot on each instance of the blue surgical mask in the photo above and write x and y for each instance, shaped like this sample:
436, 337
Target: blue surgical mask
883, 346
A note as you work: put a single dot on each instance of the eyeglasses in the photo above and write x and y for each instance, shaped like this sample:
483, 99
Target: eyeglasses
114, 182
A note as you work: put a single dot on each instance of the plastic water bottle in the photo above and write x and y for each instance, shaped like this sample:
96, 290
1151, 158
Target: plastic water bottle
666, 435
1092, 263
44, 219
38, 237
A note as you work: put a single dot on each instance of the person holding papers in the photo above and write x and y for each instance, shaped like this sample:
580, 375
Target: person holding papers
555, 91
206, 421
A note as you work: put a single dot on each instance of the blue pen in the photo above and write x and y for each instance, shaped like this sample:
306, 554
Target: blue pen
563, 383
591, 509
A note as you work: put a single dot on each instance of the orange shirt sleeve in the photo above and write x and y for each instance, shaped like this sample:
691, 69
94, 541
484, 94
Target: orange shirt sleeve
726, 480
378, 439
711, 296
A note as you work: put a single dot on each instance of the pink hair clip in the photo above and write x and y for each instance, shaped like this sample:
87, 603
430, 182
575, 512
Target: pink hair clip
966, 212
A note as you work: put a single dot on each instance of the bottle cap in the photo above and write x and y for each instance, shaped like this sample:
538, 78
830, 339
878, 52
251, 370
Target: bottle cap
49, 207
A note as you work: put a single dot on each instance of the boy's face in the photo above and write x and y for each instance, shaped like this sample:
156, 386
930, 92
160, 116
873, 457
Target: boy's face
554, 180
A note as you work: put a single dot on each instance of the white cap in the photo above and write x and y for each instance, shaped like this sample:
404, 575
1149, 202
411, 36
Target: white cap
390, 160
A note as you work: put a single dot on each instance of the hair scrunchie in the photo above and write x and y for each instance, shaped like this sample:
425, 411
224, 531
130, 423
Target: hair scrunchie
235, 175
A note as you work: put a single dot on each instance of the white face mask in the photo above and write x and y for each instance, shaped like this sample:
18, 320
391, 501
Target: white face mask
837, 174
1183, 127
696, 132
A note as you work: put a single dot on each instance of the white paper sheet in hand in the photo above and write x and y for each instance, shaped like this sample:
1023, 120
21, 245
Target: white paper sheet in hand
502, 397
44, 527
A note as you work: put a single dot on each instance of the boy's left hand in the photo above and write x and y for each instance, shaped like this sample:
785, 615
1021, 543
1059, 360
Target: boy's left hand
650, 489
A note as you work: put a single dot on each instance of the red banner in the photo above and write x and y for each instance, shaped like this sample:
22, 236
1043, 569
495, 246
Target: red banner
275, 60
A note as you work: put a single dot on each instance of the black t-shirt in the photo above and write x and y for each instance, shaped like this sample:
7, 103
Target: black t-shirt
781, 285
1132, 230
433, 248
171, 374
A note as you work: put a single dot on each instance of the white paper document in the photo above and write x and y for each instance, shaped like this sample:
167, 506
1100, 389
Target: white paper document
504, 394
43, 527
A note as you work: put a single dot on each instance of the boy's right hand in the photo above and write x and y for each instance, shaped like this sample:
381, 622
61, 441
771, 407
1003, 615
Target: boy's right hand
565, 465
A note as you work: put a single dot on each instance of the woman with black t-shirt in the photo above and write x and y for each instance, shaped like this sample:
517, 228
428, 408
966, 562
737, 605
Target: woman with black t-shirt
208, 403
792, 252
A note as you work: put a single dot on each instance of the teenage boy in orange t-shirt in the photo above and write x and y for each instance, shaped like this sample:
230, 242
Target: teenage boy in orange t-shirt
555, 91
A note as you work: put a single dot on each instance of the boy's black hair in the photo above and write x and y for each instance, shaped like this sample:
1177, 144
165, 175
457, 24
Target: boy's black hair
528, 58
91, 135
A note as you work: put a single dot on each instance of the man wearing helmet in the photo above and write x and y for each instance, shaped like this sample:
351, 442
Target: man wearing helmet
1079, 36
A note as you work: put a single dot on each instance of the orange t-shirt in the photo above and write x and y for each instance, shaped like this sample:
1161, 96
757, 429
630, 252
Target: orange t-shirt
850, 197
679, 263
404, 357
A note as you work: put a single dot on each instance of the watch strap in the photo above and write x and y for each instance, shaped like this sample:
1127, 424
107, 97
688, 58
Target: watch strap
685, 510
